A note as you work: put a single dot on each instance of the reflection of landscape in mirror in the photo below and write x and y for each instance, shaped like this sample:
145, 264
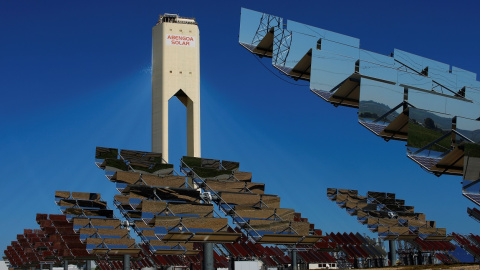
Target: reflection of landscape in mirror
426, 127
467, 128
472, 150
379, 99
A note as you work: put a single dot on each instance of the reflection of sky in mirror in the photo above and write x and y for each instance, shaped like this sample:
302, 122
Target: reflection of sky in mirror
467, 124
305, 37
474, 188
339, 48
427, 101
462, 108
249, 22
469, 128
440, 103
464, 73
328, 70
300, 46
376, 58
472, 93
377, 66
414, 80
377, 71
418, 63
447, 80
377, 97
322, 33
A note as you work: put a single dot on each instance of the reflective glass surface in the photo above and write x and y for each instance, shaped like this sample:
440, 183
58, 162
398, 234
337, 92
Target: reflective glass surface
427, 132
254, 27
469, 130
343, 74
299, 44
418, 63
464, 73
330, 70
462, 107
443, 82
377, 66
339, 48
444, 104
427, 100
467, 82
472, 94
410, 79
322, 33
380, 104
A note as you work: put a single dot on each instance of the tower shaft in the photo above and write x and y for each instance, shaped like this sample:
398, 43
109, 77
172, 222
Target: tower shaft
175, 73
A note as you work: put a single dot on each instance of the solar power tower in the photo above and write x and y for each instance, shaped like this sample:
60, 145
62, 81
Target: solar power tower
432, 106
175, 73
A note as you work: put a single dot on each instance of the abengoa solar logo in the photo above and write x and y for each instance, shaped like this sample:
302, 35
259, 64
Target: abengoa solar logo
179, 40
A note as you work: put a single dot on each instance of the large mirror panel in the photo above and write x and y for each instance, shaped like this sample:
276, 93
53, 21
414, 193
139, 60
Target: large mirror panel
380, 104
427, 100
333, 78
463, 108
293, 52
409, 79
377, 66
429, 138
338, 48
444, 83
322, 33
256, 31
464, 73
472, 93
468, 130
418, 64
426, 127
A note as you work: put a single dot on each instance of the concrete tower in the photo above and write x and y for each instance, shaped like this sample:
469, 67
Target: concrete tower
175, 73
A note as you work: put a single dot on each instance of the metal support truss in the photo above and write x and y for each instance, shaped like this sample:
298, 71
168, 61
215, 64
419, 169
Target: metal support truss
266, 23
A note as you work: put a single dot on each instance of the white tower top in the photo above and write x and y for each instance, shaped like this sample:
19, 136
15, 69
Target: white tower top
175, 73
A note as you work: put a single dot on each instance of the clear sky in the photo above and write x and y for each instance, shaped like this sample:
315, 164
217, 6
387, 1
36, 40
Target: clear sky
76, 75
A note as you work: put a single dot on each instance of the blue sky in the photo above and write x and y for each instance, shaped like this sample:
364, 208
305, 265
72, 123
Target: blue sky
76, 75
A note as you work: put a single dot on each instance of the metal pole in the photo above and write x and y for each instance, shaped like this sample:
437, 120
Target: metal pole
419, 258
393, 252
294, 260
50, 266
88, 265
126, 262
231, 263
65, 265
208, 256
